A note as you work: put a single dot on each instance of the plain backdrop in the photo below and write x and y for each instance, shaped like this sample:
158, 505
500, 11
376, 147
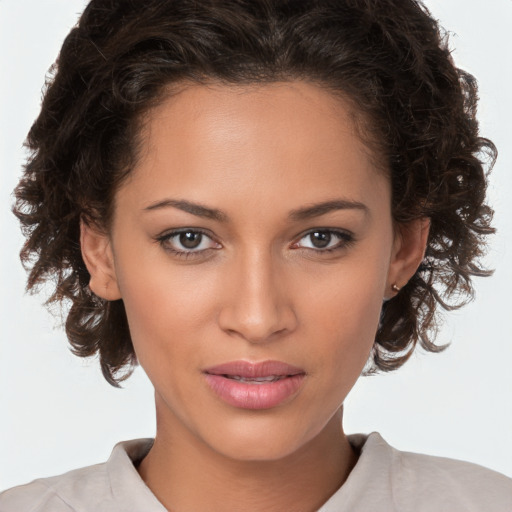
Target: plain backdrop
56, 411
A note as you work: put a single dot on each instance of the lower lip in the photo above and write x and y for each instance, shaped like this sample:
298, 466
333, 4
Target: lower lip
254, 396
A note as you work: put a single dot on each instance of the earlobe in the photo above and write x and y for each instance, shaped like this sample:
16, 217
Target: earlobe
99, 260
408, 253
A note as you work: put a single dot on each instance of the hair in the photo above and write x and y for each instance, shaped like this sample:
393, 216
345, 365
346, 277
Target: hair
389, 57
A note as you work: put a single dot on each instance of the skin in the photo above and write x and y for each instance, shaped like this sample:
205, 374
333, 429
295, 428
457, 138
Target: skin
258, 287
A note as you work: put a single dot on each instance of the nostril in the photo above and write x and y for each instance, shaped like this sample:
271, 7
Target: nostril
260, 329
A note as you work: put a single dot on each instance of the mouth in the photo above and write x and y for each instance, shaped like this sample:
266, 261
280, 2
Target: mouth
255, 371
256, 380
247, 385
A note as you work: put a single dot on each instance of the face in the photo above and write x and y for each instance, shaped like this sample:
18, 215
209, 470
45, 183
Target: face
252, 246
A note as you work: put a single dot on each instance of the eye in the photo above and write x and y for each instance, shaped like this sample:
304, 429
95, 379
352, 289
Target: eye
325, 240
187, 242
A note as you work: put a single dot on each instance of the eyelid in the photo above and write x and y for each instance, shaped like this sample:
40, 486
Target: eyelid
345, 238
164, 238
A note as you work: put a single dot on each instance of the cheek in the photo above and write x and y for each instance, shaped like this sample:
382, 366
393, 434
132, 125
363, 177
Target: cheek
350, 296
343, 315
165, 303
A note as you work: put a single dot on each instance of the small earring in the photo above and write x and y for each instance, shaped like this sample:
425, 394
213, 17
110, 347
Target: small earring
395, 288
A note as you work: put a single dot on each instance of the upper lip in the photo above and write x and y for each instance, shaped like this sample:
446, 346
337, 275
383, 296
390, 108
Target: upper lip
248, 369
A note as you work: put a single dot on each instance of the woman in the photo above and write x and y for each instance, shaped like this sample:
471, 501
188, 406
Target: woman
250, 199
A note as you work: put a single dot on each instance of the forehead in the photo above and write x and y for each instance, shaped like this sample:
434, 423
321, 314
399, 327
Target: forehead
295, 110
252, 142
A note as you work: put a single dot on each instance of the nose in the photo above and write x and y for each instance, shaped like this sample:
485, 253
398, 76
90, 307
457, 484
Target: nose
257, 303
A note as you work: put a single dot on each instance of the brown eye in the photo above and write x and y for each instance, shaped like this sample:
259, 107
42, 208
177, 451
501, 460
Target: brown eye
190, 239
320, 239
187, 243
325, 240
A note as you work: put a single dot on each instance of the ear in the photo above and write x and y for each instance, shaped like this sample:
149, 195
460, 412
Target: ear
408, 252
99, 260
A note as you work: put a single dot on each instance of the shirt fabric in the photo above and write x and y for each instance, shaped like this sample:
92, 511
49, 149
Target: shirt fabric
383, 480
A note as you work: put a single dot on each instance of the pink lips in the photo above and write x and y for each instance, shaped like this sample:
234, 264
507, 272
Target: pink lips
254, 385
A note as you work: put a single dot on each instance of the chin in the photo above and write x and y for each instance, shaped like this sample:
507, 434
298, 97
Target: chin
261, 440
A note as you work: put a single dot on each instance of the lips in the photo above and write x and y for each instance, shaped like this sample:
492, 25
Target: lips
249, 385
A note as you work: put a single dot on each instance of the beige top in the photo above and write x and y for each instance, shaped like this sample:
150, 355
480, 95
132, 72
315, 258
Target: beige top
383, 480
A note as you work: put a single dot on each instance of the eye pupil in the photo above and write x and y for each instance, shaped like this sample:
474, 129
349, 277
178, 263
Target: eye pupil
321, 239
190, 240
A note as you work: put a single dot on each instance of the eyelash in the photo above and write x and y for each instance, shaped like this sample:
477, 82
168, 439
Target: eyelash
164, 239
345, 240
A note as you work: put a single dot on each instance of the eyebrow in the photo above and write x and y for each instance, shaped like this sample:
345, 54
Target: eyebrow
307, 212
317, 209
187, 206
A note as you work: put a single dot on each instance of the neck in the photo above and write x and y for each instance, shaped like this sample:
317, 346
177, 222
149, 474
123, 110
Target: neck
187, 475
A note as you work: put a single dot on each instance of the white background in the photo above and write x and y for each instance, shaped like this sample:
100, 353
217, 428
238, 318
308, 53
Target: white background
56, 411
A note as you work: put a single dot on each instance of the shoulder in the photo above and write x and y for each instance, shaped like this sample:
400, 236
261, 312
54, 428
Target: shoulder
56, 494
455, 483
428, 483
110, 486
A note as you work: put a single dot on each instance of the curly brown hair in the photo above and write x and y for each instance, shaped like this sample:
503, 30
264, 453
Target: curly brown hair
389, 57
